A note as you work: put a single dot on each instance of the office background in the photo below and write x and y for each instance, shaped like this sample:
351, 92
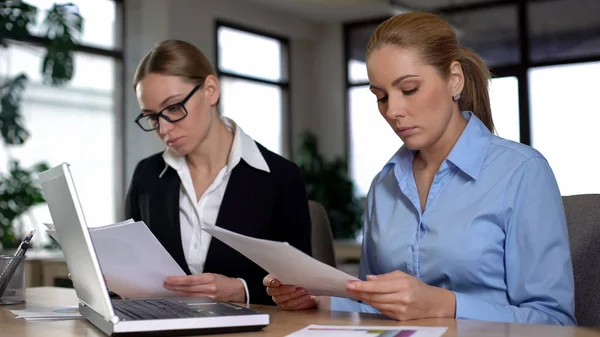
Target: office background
296, 65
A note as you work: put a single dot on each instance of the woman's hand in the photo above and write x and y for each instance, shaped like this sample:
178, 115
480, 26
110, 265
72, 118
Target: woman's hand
288, 297
217, 286
403, 297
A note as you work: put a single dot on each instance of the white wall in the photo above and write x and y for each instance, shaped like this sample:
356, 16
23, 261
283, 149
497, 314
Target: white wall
316, 72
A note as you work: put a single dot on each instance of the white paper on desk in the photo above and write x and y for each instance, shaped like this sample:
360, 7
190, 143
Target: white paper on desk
133, 261
288, 264
48, 313
368, 331
49, 319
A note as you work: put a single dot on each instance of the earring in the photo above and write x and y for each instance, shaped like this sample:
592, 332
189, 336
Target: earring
456, 97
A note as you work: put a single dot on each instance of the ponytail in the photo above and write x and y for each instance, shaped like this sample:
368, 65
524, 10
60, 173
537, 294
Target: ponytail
475, 96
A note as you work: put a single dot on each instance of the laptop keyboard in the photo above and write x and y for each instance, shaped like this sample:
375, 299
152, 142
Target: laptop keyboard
131, 310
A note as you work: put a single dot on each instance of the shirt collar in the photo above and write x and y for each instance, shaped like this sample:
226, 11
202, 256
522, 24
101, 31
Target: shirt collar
467, 154
243, 147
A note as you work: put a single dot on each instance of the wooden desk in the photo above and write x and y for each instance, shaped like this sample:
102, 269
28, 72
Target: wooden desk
282, 322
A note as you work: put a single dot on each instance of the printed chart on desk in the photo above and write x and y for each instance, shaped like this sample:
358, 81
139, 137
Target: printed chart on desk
368, 331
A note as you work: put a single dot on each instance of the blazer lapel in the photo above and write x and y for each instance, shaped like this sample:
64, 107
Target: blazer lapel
240, 190
171, 228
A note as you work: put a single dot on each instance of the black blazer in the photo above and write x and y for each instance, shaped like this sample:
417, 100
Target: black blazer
267, 205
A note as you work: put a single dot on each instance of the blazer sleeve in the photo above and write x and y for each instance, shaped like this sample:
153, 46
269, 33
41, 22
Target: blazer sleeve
132, 208
292, 225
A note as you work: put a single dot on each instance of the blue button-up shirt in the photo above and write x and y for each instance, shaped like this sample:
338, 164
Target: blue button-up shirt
493, 231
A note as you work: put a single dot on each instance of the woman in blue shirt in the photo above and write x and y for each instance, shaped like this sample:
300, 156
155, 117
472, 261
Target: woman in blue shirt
460, 223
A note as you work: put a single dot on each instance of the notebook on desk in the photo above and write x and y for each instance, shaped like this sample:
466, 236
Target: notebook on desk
168, 316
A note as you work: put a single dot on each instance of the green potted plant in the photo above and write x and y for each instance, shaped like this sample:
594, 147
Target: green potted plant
327, 182
63, 26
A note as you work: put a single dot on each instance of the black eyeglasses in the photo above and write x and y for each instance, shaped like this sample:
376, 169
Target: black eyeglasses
173, 113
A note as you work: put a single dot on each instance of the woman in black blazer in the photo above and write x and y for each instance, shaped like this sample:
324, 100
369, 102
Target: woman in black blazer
211, 174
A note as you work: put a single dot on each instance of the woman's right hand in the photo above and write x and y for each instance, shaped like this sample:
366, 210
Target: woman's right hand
288, 297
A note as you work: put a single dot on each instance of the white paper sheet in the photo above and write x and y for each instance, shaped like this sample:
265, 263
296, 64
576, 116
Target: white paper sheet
133, 261
368, 331
288, 264
48, 313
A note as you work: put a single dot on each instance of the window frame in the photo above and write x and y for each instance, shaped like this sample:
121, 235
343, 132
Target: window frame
283, 83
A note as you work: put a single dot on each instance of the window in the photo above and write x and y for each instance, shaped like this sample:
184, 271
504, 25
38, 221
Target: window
563, 29
99, 20
491, 32
357, 40
74, 123
254, 84
504, 100
372, 140
565, 115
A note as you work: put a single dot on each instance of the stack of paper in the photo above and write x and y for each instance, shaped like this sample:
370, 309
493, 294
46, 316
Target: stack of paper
133, 262
48, 313
368, 331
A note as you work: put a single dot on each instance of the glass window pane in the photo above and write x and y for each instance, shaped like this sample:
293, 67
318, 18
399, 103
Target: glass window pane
75, 124
564, 29
357, 71
357, 38
99, 20
504, 99
256, 108
490, 32
250, 54
565, 115
372, 140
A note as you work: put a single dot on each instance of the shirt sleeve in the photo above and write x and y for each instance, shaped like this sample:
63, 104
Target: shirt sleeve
246, 290
539, 273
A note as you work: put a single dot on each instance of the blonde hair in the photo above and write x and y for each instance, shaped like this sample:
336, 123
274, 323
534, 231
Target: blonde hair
175, 58
436, 42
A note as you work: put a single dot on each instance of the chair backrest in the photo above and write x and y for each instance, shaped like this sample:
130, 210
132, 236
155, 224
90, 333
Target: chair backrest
322, 236
583, 221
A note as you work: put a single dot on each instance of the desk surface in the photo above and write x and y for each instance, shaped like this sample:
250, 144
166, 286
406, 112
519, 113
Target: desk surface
282, 322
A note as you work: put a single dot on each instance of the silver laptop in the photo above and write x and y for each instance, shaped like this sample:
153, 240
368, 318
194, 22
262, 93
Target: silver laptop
169, 316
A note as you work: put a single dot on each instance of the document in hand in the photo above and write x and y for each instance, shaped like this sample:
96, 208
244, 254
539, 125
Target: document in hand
132, 260
288, 264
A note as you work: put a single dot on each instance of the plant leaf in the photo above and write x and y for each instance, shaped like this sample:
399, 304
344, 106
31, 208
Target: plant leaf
15, 19
12, 126
64, 26
327, 182
18, 192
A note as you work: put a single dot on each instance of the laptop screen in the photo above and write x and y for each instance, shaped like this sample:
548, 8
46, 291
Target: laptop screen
72, 231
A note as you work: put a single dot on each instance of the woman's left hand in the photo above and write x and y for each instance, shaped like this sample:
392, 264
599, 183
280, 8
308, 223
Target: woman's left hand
403, 297
217, 286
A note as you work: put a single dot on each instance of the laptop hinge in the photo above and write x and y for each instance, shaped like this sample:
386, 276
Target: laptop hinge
114, 320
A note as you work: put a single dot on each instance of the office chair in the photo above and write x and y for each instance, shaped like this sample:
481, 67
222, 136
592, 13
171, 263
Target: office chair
322, 236
583, 221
